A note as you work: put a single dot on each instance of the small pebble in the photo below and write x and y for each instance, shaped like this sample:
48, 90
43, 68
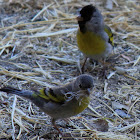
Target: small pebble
122, 114
120, 70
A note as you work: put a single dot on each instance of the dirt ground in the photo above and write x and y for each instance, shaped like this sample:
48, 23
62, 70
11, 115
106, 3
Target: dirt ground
38, 48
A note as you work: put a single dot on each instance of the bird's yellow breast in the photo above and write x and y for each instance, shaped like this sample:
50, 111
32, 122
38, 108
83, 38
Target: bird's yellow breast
90, 43
82, 105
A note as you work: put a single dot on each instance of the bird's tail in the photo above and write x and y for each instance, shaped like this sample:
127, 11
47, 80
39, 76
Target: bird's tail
23, 93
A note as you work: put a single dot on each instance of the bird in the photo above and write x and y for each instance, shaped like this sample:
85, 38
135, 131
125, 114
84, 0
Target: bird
60, 102
94, 37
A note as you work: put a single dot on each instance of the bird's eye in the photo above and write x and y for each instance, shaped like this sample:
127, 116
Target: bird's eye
80, 86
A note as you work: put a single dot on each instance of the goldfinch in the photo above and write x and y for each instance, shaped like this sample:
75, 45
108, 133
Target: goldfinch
94, 38
60, 102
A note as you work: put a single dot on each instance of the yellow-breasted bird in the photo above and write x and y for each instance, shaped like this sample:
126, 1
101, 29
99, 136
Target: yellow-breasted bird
60, 102
94, 38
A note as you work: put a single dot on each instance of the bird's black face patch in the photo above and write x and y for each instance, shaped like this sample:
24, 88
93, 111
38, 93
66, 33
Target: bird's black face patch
87, 12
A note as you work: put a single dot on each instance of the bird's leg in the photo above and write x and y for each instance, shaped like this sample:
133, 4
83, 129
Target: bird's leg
105, 67
53, 122
83, 66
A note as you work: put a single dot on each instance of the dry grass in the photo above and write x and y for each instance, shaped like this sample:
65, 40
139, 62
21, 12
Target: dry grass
38, 48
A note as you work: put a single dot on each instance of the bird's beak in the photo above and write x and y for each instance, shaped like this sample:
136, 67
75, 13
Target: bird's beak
79, 18
88, 91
